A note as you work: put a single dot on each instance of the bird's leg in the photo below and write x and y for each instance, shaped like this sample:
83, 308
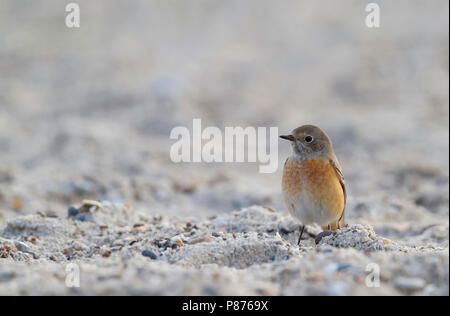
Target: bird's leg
301, 234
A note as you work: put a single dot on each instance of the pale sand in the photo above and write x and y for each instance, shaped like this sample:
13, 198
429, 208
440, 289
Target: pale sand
86, 114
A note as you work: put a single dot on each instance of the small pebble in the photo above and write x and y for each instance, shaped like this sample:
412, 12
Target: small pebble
283, 230
72, 211
343, 266
149, 254
17, 203
80, 217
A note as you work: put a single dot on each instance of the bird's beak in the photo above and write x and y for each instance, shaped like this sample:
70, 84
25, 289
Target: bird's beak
288, 137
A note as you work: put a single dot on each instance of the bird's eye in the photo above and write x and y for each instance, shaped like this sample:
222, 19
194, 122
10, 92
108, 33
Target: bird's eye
309, 139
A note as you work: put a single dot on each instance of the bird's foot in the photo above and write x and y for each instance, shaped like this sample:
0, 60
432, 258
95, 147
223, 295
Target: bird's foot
319, 237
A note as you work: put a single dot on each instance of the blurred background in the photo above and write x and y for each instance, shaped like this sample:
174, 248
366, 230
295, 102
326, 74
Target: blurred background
86, 113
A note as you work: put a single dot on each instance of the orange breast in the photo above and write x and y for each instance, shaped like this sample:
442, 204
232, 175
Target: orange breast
312, 190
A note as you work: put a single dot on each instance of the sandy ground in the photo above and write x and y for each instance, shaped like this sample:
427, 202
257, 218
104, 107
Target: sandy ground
86, 114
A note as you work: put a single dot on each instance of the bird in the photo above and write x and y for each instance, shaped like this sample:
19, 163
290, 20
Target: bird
313, 184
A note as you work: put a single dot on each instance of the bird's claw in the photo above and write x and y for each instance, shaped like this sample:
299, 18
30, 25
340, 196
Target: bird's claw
319, 237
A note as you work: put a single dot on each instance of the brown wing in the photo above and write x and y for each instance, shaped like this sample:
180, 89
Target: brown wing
341, 221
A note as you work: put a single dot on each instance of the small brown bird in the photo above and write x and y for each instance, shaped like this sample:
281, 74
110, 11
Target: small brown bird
313, 183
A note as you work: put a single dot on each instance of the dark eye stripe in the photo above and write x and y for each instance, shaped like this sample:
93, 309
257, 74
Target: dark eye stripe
308, 139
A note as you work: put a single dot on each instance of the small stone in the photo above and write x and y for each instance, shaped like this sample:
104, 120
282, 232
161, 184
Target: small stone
166, 244
72, 211
17, 204
80, 217
283, 230
149, 254
343, 266
22, 247
179, 242
25, 249
84, 217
